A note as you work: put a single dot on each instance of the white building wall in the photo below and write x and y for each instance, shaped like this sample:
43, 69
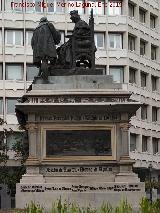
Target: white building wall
106, 57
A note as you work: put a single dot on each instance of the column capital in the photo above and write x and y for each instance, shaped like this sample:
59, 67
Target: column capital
31, 126
125, 126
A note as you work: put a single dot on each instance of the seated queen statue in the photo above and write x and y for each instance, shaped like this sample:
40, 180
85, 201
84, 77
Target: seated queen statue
79, 41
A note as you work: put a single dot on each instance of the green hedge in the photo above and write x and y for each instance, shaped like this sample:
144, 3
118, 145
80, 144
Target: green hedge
145, 206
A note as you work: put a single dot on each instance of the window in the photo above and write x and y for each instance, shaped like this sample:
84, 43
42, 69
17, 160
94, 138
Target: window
142, 14
152, 22
1, 106
14, 72
97, 6
35, 5
29, 35
153, 52
154, 114
32, 71
114, 8
101, 67
15, 5
14, 37
13, 138
0, 37
51, 6
154, 83
55, 6
76, 5
99, 40
131, 43
132, 75
144, 112
143, 79
11, 105
142, 47
131, 10
133, 139
117, 73
155, 145
144, 143
1, 72
115, 40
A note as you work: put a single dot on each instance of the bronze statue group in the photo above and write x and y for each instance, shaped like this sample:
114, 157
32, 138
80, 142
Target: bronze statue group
78, 51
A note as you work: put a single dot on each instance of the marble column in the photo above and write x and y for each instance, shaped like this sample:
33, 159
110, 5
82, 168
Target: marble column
125, 139
32, 164
32, 136
125, 163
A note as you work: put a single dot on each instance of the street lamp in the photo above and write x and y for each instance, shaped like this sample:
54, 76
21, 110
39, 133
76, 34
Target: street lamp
150, 167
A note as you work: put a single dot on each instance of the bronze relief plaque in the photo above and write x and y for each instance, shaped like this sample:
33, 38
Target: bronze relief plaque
78, 143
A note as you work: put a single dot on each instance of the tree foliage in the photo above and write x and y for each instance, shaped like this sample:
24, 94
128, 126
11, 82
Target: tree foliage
9, 176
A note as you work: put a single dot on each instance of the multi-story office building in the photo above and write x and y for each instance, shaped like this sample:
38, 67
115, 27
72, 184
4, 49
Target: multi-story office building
127, 36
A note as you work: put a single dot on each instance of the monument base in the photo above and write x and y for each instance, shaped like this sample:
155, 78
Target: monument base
84, 193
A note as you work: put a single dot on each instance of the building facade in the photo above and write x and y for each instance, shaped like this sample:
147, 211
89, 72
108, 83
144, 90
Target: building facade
127, 36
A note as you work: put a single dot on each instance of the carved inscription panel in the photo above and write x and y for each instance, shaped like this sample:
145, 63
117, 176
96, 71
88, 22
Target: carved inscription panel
77, 170
103, 187
83, 117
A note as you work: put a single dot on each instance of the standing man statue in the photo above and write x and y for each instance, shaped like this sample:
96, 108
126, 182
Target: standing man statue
43, 42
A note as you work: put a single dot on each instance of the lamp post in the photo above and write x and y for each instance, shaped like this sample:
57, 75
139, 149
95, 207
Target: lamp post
150, 167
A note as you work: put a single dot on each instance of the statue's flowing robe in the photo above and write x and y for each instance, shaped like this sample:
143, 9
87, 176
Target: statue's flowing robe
81, 28
43, 42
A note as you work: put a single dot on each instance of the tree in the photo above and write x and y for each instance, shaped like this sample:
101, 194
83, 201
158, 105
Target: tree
10, 176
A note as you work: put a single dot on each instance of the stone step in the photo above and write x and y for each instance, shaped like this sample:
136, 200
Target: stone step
81, 78
80, 85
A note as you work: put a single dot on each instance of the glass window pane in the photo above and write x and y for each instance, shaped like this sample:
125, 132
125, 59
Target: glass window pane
8, 5
155, 144
29, 35
0, 37
30, 8
117, 73
144, 144
152, 22
111, 41
115, 40
144, 112
100, 39
97, 6
58, 6
9, 37
114, 8
14, 72
154, 83
133, 142
75, 5
11, 105
32, 71
17, 7
1, 106
51, 5
18, 38
1, 72
131, 10
38, 6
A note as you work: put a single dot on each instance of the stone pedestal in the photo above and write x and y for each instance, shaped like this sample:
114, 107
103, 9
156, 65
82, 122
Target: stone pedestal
78, 139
